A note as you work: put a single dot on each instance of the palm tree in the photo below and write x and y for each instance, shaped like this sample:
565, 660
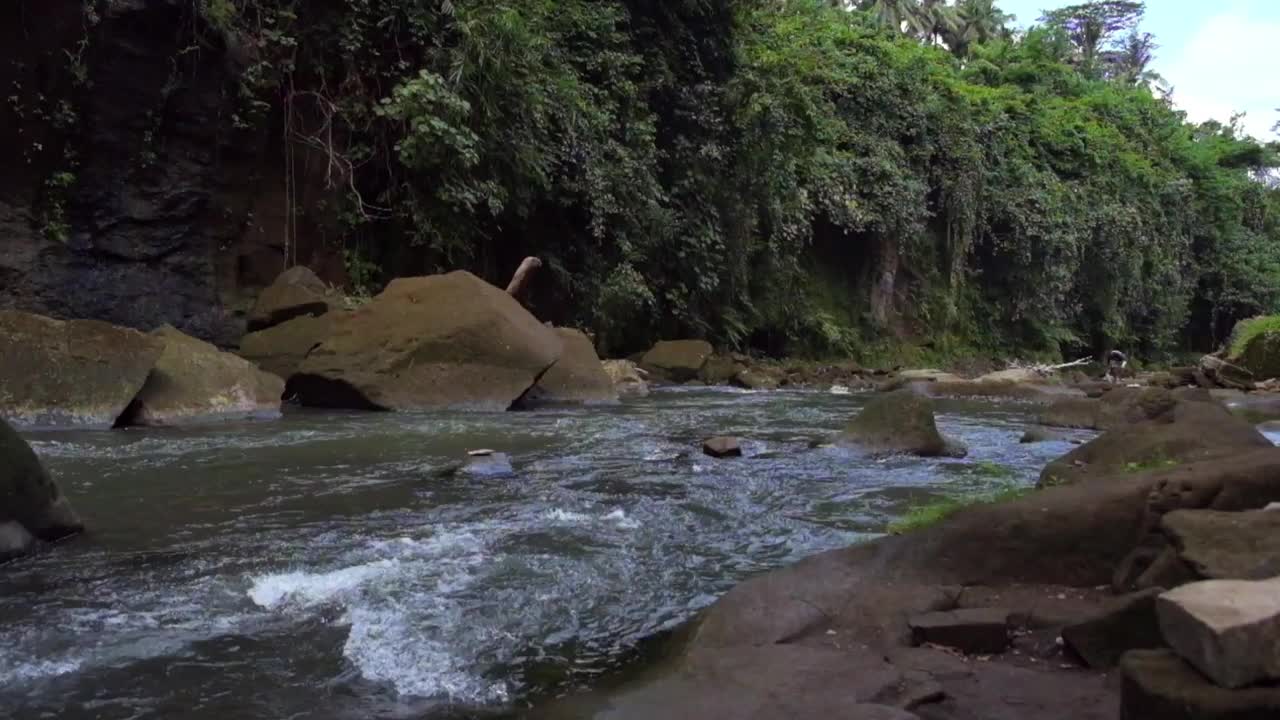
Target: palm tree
934, 20
1131, 63
892, 13
976, 21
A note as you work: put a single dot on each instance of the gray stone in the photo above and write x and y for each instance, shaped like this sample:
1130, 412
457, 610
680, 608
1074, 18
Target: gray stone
1128, 624
1227, 629
1227, 545
975, 631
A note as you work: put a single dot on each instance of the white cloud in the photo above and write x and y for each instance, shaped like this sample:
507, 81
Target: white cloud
1229, 65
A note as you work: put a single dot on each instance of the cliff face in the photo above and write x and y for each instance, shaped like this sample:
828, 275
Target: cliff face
138, 193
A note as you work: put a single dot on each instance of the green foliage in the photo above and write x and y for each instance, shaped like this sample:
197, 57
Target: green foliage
1247, 330
933, 512
1156, 463
786, 176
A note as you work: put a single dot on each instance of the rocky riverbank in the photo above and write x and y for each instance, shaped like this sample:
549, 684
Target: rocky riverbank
1056, 605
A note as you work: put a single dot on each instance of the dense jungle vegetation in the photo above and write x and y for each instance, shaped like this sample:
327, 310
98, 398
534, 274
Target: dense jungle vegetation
790, 176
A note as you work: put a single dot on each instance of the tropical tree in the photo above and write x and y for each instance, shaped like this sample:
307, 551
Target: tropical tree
1092, 26
897, 14
976, 21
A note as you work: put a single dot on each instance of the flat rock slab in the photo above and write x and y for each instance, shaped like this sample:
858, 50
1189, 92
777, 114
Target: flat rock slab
1227, 545
1158, 685
1227, 629
1128, 624
722, 447
974, 631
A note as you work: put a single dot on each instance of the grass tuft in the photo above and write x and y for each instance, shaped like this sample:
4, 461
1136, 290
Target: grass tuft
934, 512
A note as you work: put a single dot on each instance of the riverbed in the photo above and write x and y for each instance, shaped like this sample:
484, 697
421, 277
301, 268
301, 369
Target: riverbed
324, 566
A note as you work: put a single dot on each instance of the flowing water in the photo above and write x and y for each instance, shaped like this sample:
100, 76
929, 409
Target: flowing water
323, 567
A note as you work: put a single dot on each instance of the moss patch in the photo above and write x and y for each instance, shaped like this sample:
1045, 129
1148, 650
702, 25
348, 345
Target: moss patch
931, 513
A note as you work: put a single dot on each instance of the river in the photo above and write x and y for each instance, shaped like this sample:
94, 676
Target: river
321, 566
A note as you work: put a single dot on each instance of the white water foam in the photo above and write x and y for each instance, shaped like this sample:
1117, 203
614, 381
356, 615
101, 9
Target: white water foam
620, 517
388, 647
405, 627
566, 516
309, 589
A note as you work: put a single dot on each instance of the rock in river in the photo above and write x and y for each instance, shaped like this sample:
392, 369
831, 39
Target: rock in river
577, 378
31, 505
902, 422
194, 382
297, 292
626, 378
280, 349
70, 374
677, 360
441, 341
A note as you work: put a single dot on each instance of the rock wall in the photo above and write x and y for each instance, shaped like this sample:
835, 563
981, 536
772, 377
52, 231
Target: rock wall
141, 195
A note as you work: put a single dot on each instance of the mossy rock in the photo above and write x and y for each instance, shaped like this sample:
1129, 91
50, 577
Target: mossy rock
29, 497
194, 382
448, 341
1255, 346
900, 422
577, 378
297, 292
70, 374
280, 349
677, 360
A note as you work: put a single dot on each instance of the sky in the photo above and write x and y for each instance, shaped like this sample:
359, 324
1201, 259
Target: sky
1220, 56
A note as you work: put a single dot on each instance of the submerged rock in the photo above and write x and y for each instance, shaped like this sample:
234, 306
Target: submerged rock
70, 374
443, 341
1228, 629
900, 422
194, 382
577, 378
677, 360
626, 378
722, 447
31, 505
297, 292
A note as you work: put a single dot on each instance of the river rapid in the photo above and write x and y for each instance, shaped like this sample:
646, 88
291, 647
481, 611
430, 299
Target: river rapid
321, 566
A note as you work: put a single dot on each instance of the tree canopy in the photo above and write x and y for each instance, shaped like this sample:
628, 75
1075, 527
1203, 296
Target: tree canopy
786, 176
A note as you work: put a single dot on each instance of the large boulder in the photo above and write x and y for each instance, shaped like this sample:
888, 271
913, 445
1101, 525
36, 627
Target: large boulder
1228, 629
899, 422
31, 506
1226, 545
626, 378
194, 382
1255, 346
70, 374
1226, 374
721, 369
1173, 432
678, 360
295, 293
280, 349
577, 378
442, 341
